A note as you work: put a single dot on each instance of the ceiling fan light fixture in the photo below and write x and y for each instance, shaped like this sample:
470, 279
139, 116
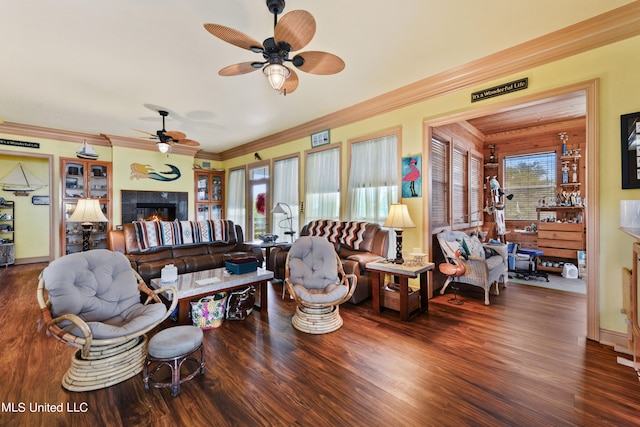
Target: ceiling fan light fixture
163, 147
276, 74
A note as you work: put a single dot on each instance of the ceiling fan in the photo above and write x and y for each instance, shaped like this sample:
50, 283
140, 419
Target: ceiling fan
167, 139
294, 31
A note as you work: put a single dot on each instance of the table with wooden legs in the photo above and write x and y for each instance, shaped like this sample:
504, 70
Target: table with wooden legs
402, 274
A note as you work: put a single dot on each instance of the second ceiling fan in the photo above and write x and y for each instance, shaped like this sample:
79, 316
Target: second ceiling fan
294, 31
168, 138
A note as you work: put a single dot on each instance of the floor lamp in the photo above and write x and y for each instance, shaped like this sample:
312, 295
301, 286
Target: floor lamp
87, 212
288, 217
398, 219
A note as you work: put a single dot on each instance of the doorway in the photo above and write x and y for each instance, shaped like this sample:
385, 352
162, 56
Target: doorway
259, 182
590, 91
27, 213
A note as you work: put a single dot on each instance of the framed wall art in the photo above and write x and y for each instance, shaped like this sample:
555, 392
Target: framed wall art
630, 150
412, 176
320, 138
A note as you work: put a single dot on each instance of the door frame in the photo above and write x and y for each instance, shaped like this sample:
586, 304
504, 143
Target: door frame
590, 87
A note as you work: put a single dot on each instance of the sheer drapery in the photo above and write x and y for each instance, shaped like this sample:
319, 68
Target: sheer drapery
236, 198
285, 190
373, 179
322, 185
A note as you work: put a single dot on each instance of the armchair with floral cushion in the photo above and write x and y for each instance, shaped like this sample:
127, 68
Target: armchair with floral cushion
485, 264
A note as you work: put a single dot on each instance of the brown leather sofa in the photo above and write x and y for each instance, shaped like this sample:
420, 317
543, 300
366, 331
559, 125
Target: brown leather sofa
187, 258
372, 246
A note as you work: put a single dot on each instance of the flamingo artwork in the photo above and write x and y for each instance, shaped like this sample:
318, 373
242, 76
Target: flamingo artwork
411, 177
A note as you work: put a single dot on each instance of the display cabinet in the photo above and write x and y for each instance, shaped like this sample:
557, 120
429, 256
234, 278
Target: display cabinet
631, 303
209, 194
7, 230
84, 179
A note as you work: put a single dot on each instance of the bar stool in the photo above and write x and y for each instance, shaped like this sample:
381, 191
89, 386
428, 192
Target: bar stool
172, 347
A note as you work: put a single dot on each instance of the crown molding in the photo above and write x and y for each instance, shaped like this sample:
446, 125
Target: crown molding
54, 134
613, 26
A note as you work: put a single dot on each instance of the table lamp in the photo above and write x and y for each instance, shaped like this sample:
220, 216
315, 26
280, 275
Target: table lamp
398, 219
87, 212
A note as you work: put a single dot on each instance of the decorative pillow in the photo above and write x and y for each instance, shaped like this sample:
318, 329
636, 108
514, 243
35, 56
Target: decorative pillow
476, 249
148, 234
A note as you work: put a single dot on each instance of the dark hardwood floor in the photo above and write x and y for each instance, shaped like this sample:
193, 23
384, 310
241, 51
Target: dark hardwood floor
522, 361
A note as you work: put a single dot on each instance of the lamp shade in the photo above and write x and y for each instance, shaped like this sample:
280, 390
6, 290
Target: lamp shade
398, 217
88, 210
276, 74
277, 209
163, 147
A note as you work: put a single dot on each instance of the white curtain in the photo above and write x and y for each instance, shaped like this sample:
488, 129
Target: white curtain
373, 179
322, 182
285, 190
236, 210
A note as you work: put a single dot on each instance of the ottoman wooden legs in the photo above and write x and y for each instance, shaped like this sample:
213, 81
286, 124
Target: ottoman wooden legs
172, 348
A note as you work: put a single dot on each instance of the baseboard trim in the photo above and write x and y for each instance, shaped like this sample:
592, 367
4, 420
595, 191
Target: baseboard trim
34, 260
613, 338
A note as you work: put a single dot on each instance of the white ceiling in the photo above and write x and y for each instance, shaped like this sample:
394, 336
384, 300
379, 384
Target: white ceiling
107, 67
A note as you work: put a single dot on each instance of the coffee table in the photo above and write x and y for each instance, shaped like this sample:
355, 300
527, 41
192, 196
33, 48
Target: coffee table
209, 282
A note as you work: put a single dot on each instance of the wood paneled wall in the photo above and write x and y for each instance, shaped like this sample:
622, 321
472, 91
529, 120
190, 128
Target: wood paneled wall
535, 140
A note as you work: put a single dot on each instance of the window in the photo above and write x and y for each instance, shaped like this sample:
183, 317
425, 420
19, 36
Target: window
475, 190
439, 183
529, 178
236, 210
259, 199
285, 190
460, 187
373, 179
456, 183
322, 184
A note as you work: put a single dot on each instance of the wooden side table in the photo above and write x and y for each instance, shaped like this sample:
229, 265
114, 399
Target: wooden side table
402, 272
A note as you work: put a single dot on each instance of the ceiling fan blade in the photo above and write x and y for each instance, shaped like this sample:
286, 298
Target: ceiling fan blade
189, 142
175, 135
153, 135
296, 28
235, 37
290, 85
316, 62
237, 69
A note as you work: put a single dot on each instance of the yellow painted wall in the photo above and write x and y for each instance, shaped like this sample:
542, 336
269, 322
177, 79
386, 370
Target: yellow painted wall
34, 241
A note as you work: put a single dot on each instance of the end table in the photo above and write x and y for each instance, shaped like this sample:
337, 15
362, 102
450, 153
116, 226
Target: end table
402, 272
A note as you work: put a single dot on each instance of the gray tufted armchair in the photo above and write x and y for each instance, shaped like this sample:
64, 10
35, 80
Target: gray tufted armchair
316, 280
92, 301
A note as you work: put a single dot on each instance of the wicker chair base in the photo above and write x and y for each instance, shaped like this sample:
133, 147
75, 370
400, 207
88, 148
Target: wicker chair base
317, 320
105, 367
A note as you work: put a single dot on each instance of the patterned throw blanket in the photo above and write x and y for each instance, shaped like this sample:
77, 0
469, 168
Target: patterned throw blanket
349, 233
169, 233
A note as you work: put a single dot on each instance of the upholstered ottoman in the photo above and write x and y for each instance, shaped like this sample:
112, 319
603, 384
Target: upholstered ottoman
173, 347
